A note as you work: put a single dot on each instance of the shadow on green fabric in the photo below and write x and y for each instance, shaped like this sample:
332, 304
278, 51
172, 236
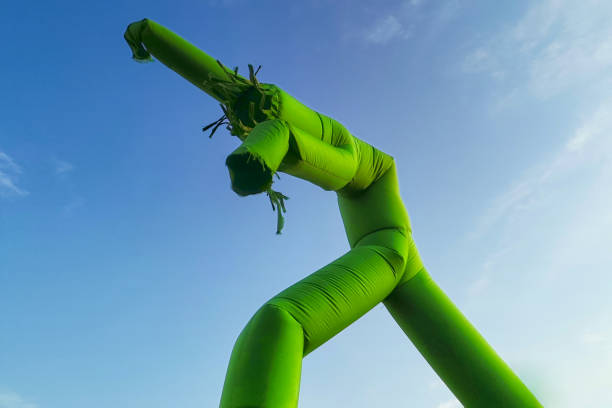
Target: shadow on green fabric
280, 134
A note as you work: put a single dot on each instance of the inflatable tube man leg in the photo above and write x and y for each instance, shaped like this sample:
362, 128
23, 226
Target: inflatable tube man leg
279, 134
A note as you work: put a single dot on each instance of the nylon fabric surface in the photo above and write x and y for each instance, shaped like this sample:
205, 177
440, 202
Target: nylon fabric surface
280, 134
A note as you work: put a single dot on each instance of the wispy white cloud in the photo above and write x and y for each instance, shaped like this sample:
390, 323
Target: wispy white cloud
6, 163
590, 143
482, 60
62, 167
407, 19
385, 30
557, 45
556, 220
599, 124
479, 285
9, 399
9, 173
554, 216
487, 275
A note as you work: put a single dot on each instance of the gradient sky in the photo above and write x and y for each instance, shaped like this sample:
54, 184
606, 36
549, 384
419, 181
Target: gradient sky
128, 267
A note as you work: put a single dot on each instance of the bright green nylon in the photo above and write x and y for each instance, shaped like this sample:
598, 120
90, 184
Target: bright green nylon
453, 347
281, 134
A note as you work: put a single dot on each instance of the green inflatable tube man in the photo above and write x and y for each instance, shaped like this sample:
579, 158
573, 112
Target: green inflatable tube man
280, 134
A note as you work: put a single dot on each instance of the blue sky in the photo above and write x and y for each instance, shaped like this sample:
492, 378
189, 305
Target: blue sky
128, 266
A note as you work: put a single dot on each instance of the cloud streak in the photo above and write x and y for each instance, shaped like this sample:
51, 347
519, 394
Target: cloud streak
557, 45
9, 173
590, 144
407, 19
385, 30
62, 167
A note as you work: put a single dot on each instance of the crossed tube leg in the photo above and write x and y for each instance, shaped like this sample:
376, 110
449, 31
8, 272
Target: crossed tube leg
382, 266
265, 366
462, 358
266, 362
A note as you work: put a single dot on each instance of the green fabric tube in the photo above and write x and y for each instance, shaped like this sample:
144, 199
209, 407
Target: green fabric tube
264, 370
462, 358
253, 163
280, 134
266, 362
177, 54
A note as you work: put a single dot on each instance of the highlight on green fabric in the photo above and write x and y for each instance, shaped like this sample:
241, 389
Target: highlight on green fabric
280, 134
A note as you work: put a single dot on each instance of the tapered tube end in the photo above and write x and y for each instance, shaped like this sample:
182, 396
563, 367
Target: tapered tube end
133, 36
256, 160
249, 173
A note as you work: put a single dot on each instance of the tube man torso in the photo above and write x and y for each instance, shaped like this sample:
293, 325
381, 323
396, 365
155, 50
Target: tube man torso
280, 134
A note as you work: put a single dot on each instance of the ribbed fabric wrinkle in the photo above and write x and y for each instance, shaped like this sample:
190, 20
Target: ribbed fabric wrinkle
322, 125
375, 249
395, 227
327, 295
358, 278
293, 302
334, 282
